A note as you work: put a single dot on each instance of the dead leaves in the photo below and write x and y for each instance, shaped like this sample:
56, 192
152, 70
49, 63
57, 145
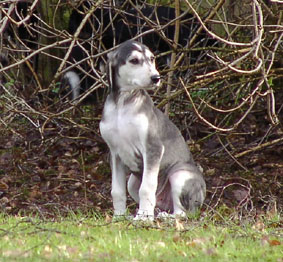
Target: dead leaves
65, 173
204, 244
198, 242
179, 225
259, 226
268, 241
66, 251
215, 243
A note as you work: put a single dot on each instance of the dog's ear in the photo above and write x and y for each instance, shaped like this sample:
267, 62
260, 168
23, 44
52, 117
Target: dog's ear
112, 57
111, 63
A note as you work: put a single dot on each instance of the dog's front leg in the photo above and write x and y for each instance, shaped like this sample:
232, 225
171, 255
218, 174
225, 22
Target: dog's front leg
147, 192
118, 191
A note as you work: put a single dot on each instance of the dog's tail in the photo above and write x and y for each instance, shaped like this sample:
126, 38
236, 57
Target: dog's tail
73, 80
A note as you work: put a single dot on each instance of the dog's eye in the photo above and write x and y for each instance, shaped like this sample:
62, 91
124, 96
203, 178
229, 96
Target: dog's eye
152, 59
134, 61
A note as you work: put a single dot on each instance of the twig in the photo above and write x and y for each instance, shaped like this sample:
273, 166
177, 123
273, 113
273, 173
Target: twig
216, 36
85, 19
210, 124
256, 148
7, 17
230, 154
38, 51
276, 1
173, 55
84, 175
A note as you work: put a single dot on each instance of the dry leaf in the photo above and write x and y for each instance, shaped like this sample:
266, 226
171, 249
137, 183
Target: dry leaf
240, 194
274, 242
178, 224
3, 186
15, 253
161, 244
176, 238
259, 225
47, 249
108, 219
196, 242
4, 201
182, 253
210, 172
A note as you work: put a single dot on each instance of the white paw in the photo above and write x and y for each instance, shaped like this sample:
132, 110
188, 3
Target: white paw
144, 216
165, 216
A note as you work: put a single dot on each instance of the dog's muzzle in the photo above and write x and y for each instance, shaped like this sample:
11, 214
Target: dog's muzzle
155, 79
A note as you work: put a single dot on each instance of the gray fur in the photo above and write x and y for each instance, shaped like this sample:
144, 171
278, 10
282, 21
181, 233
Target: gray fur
143, 141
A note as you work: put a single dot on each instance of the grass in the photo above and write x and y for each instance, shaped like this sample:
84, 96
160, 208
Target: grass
95, 238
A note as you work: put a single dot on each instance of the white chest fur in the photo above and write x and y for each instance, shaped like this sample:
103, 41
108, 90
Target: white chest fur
125, 130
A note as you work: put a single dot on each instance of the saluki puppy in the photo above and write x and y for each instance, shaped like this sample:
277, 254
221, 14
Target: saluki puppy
144, 143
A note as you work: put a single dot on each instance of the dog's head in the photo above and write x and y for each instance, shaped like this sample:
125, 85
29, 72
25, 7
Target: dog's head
132, 66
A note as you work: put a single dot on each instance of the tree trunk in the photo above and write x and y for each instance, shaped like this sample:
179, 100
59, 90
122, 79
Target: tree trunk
56, 17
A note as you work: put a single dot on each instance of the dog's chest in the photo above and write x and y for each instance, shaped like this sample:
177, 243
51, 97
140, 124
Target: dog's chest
125, 131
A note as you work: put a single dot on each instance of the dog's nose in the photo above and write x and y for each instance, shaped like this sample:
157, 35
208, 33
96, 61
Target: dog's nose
155, 79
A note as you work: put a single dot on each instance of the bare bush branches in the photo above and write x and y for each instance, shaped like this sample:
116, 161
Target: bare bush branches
256, 52
230, 65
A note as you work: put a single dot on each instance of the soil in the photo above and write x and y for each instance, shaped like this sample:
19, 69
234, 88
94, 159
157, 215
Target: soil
64, 166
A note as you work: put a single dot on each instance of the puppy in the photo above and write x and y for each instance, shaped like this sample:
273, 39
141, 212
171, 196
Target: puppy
144, 143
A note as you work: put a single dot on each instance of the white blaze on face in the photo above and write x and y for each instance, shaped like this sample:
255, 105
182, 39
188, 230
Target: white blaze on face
136, 73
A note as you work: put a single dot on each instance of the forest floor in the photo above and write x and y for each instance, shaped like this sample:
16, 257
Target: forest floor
64, 167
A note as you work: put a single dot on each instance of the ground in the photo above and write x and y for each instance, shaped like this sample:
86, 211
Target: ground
64, 166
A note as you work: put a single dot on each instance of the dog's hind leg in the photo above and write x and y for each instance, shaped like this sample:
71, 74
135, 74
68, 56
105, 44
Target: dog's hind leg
188, 191
134, 184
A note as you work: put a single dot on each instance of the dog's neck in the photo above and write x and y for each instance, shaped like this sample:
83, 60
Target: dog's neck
130, 97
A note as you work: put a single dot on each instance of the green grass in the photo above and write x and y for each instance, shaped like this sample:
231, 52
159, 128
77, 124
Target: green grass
94, 238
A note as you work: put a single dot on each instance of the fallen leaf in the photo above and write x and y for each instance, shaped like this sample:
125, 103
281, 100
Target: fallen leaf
176, 238
210, 172
15, 253
47, 249
240, 194
3, 186
68, 250
259, 225
182, 253
4, 201
178, 224
108, 219
274, 242
196, 242
161, 244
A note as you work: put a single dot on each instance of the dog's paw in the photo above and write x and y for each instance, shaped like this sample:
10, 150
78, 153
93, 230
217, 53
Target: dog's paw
171, 218
165, 216
143, 218
143, 221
